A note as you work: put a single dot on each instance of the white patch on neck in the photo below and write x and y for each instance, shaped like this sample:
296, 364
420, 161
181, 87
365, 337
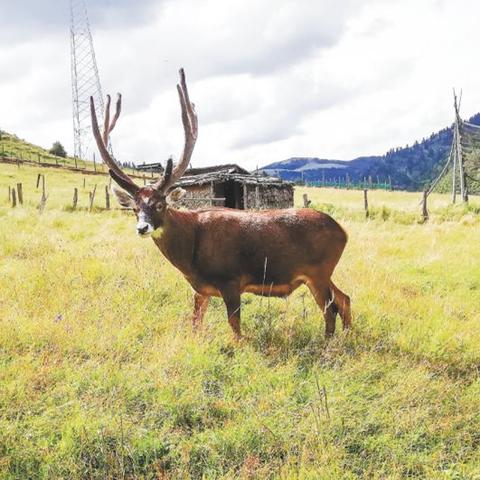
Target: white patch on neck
157, 233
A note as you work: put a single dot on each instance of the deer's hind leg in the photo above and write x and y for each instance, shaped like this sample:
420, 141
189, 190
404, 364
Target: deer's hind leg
326, 301
342, 302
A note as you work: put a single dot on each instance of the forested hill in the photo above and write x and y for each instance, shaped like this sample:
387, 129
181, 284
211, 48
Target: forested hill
409, 167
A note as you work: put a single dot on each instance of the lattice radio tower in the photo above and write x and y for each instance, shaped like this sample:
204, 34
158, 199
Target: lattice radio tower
85, 79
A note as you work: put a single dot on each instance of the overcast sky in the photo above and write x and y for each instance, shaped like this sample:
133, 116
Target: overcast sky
271, 79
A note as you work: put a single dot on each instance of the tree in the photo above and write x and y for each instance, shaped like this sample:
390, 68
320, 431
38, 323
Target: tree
58, 150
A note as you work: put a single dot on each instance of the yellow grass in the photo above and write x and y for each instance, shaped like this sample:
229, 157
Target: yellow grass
101, 376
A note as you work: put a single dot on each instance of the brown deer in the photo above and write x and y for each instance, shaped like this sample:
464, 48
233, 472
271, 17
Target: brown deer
225, 252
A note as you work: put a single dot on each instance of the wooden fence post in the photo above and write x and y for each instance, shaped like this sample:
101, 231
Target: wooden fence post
39, 176
43, 184
245, 196
257, 197
306, 201
20, 193
9, 194
107, 198
94, 162
424, 206
75, 198
14, 198
365, 202
92, 198
83, 182
43, 202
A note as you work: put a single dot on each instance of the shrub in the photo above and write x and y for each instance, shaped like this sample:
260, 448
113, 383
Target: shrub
58, 150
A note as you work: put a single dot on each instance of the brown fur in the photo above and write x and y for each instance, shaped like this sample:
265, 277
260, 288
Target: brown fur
224, 252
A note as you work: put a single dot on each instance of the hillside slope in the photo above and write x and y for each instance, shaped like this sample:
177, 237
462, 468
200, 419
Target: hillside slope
12, 148
410, 167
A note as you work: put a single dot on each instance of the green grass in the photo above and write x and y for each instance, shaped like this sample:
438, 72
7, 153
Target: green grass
102, 377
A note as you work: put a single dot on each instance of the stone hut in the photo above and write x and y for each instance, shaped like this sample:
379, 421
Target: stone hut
234, 187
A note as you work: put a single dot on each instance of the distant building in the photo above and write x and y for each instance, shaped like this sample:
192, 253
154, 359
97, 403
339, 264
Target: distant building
150, 168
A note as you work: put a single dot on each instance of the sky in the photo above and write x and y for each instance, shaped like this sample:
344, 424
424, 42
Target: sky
271, 79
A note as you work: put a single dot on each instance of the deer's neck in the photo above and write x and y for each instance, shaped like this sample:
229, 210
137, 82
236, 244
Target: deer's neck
176, 238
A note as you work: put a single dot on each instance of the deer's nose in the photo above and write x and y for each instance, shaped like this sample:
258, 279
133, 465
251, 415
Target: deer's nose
142, 229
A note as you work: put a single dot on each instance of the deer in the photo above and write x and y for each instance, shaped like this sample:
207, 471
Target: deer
224, 252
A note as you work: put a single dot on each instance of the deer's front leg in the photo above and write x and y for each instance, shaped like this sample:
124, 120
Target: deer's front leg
200, 305
231, 297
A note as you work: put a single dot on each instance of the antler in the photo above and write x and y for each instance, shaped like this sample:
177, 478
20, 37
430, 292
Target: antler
172, 174
102, 141
190, 126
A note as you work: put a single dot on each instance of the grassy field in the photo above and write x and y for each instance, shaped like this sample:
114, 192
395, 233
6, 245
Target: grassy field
102, 377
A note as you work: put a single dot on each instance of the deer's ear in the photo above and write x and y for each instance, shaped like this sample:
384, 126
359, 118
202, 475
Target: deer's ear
124, 198
175, 195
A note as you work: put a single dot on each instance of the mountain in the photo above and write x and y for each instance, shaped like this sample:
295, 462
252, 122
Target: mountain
409, 168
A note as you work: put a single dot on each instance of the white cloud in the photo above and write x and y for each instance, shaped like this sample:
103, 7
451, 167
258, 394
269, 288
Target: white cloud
271, 79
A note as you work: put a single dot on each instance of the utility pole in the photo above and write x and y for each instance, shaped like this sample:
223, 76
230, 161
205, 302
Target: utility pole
456, 157
458, 152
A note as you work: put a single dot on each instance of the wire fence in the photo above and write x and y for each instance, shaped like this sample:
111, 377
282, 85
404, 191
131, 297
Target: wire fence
13, 150
348, 185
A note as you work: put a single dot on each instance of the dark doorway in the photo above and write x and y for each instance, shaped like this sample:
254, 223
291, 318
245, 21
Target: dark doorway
233, 193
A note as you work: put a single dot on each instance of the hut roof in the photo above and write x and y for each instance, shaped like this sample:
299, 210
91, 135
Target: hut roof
223, 176
227, 168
